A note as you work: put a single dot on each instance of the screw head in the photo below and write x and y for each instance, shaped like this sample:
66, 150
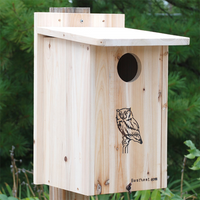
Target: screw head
81, 20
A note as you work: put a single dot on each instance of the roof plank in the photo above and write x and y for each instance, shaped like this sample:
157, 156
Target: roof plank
113, 36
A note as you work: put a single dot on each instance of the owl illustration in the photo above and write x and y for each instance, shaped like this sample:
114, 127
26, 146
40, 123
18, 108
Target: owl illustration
128, 127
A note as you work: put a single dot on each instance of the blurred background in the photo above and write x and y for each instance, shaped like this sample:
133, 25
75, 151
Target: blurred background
178, 17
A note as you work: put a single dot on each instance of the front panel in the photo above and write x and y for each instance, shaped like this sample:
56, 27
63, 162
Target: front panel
130, 140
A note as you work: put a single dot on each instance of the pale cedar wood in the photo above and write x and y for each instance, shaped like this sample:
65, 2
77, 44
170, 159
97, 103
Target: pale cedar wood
59, 194
99, 36
56, 193
144, 96
90, 90
164, 116
76, 93
41, 168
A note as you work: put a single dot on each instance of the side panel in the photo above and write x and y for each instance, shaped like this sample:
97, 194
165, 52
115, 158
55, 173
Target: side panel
66, 116
142, 165
164, 117
38, 109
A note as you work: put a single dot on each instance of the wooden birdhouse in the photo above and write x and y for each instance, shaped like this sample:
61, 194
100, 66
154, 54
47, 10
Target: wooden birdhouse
100, 104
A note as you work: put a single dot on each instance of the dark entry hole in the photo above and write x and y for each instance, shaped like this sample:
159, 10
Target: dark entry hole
127, 68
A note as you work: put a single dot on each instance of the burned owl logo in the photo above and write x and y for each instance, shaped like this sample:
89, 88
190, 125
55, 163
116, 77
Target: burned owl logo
128, 127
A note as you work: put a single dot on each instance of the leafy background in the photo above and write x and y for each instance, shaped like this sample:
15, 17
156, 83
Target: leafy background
178, 17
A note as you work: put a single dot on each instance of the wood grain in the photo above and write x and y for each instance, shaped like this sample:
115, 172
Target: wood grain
77, 90
74, 20
66, 122
81, 98
59, 194
144, 99
56, 193
39, 140
113, 36
164, 118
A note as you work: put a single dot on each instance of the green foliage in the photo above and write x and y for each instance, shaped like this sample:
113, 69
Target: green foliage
8, 189
193, 153
156, 195
23, 189
4, 197
167, 194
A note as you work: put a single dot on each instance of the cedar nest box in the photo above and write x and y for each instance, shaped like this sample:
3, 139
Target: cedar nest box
100, 103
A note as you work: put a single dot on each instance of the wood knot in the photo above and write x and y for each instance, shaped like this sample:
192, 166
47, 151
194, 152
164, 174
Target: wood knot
49, 45
164, 106
99, 188
65, 158
128, 187
159, 94
165, 54
107, 182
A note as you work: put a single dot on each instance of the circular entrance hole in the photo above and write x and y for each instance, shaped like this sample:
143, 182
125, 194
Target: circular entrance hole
128, 67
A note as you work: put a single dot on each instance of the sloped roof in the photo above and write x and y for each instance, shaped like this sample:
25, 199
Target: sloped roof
113, 36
